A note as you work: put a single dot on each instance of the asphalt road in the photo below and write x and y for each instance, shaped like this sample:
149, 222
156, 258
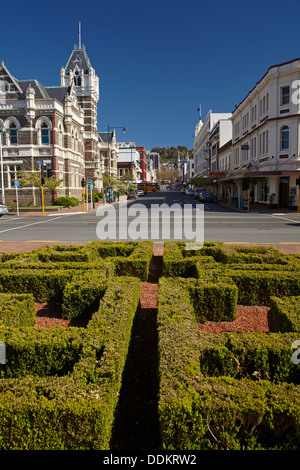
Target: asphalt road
220, 224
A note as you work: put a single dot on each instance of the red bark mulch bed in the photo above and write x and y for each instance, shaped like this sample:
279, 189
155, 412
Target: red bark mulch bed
50, 315
248, 318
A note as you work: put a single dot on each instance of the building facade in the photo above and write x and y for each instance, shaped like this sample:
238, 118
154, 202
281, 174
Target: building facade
202, 152
265, 148
129, 162
54, 126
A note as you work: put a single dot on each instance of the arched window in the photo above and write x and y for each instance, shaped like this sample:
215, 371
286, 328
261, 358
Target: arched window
284, 138
76, 142
13, 134
60, 135
77, 79
45, 134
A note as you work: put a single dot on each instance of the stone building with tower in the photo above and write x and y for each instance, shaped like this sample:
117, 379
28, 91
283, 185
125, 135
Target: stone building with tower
55, 126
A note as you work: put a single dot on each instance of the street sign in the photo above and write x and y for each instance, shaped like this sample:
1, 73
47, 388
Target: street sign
91, 186
16, 183
89, 181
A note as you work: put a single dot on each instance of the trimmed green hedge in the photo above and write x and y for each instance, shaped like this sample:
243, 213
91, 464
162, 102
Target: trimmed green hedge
72, 408
178, 261
122, 258
209, 301
137, 263
229, 391
249, 355
17, 310
82, 294
45, 286
284, 314
40, 352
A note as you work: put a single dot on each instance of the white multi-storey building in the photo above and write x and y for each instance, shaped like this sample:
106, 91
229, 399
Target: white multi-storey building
201, 141
220, 134
265, 151
129, 162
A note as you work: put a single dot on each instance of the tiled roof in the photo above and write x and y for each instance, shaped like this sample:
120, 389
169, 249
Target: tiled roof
58, 92
103, 136
80, 58
40, 90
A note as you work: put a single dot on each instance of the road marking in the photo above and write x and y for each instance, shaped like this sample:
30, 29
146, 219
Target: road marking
70, 213
29, 225
284, 218
8, 220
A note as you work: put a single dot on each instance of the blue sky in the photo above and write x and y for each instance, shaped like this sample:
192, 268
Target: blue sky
156, 60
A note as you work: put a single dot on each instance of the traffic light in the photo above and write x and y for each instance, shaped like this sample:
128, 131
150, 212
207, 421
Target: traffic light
43, 181
49, 173
83, 183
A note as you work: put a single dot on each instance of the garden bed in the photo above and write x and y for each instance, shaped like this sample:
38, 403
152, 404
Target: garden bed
248, 318
50, 315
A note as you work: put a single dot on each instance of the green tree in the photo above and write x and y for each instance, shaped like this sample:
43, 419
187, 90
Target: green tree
29, 180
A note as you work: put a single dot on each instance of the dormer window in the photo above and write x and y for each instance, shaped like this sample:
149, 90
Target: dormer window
77, 79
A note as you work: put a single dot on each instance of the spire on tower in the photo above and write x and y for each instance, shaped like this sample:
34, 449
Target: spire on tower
79, 34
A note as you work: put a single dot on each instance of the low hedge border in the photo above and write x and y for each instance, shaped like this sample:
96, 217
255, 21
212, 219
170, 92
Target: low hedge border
284, 314
17, 310
122, 258
74, 411
177, 261
81, 296
197, 412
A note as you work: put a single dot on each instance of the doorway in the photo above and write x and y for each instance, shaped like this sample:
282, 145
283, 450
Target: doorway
284, 185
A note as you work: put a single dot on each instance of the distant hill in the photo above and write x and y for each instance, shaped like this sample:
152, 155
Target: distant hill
171, 153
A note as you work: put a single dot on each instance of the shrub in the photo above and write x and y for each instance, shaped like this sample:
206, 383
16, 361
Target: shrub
230, 391
284, 314
46, 286
67, 201
82, 295
64, 385
17, 309
137, 263
256, 288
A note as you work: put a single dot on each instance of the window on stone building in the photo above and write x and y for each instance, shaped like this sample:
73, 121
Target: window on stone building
285, 95
13, 174
45, 134
13, 134
60, 135
284, 138
77, 79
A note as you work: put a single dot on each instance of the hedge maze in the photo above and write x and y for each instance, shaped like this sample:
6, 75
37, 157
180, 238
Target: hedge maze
230, 390
59, 386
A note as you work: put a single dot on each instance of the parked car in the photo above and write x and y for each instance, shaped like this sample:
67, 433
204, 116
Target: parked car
206, 196
197, 192
189, 192
140, 192
132, 194
3, 209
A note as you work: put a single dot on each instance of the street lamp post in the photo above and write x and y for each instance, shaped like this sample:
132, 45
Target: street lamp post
124, 130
